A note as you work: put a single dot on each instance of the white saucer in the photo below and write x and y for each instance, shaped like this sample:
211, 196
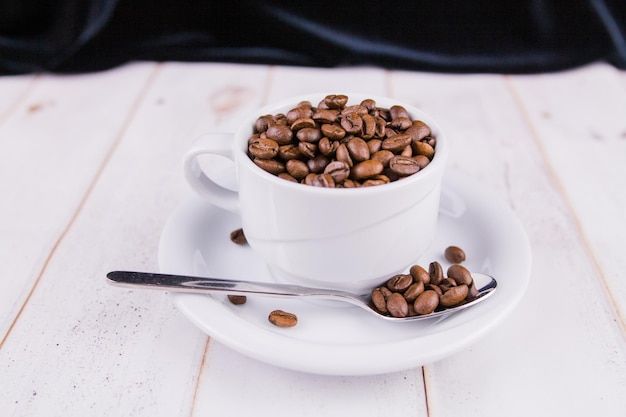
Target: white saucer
341, 339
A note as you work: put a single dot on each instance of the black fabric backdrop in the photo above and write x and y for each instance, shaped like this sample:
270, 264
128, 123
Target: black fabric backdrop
498, 36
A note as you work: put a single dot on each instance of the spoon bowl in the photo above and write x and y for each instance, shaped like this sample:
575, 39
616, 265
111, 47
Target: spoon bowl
485, 284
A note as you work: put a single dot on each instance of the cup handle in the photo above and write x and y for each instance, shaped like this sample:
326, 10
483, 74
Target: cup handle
219, 144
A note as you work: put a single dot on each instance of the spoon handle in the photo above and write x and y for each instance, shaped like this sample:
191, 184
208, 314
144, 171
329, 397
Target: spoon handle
182, 283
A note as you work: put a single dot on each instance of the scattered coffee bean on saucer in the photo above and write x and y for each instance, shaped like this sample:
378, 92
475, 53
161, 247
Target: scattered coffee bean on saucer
237, 236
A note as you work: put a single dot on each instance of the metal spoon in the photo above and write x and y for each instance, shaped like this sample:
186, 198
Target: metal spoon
486, 286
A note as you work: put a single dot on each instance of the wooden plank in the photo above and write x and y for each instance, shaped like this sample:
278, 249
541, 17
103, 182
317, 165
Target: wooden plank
53, 145
584, 113
564, 329
82, 347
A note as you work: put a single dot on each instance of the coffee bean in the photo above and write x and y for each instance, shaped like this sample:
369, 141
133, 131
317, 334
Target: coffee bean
398, 111
460, 274
352, 123
263, 148
302, 123
423, 148
436, 273
396, 143
334, 101
397, 305
270, 165
426, 302
420, 274
418, 130
338, 170
366, 169
379, 300
413, 291
333, 131
237, 236
282, 318
454, 254
399, 283
282, 134
359, 151
297, 168
454, 296
309, 134
237, 299
403, 165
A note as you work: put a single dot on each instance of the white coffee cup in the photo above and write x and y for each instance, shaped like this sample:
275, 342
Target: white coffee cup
351, 239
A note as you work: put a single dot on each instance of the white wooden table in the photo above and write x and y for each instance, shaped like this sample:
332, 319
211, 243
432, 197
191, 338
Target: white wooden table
90, 172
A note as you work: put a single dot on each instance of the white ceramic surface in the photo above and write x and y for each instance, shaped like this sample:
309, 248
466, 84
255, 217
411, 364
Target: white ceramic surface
317, 236
335, 338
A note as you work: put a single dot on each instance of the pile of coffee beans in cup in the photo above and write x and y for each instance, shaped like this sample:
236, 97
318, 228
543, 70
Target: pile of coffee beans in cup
422, 292
337, 145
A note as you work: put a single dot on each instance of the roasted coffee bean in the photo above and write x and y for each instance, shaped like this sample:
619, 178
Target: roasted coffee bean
333, 132
270, 165
287, 152
352, 123
397, 305
326, 116
398, 111
282, 318
237, 299
320, 180
366, 169
374, 146
238, 236
426, 302
307, 149
359, 151
376, 180
338, 170
282, 134
460, 274
383, 156
318, 163
263, 122
342, 154
422, 161
454, 296
396, 143
401, 123
436, 273
399, 282
263, 148
309, 134
413, 291
369, 104
303, 111
334, 101
423, 148
418, 130
420, 274
403, 165
328, 147
302, 123
297, 168
408, 152
434, 288
379, 300
369, 126
286, 176
454, 254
